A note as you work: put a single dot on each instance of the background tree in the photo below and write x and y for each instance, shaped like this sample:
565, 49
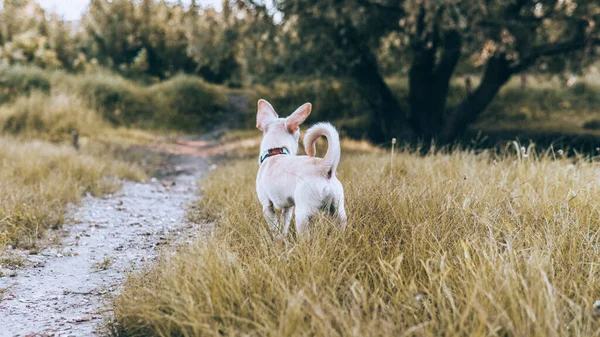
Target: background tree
168, 38
341, 38
27, 36
215, 45
112, 32
501, 37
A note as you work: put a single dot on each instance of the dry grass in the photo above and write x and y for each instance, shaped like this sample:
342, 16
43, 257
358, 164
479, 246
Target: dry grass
52, 116
39, 179
457, 245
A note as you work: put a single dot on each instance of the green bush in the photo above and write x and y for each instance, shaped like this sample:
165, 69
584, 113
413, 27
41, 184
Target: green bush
53, 117
121, 102
188, 103
183, 102
20, 81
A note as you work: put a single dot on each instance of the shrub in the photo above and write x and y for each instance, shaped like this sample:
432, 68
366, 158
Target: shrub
52, 116
20, 81
120, 101
183, 102
188, 103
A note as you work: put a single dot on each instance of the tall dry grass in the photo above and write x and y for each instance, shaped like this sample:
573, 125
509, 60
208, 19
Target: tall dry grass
51, 116
459, 244
39, 179
181, 103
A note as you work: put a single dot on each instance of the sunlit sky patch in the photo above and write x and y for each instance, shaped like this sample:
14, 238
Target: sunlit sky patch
72, 9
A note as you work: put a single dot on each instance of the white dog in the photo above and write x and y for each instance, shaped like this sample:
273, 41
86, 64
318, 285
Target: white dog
286, 181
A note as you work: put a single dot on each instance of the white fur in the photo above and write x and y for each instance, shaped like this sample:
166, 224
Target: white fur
303, 185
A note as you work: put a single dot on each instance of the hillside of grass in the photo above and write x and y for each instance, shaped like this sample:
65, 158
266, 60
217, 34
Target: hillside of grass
182, 103
461, 244
186, 103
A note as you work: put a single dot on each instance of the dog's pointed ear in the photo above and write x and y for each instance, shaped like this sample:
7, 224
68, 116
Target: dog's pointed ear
292, 123
266, 114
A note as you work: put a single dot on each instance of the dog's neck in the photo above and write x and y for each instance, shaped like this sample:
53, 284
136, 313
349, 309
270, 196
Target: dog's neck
288, 143
272, 152
276, 136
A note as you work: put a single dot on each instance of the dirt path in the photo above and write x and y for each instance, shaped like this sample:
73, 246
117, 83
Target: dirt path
65, 290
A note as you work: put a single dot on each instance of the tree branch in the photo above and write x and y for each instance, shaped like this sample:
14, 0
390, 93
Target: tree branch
398, 9
525, 21
450, 55
552, 49
420, 23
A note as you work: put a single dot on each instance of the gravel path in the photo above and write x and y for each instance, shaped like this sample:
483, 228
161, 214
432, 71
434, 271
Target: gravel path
65, 290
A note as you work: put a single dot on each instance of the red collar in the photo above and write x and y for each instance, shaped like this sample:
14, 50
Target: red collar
272, 152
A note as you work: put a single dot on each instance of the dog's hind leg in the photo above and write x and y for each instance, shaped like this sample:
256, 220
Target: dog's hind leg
338, 208
341, 212
286, 219
270, 216
302, 219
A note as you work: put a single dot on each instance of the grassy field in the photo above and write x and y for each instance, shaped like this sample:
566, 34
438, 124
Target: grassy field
461, 244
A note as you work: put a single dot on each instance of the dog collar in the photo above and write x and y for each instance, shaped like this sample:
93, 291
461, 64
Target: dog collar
272, 152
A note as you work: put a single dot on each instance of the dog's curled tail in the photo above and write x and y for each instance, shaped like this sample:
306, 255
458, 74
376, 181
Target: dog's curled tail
332, 157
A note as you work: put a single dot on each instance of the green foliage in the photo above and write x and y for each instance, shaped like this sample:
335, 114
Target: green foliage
30, 48
160, 39
183, 102
53, 117
120, 101
188, 103
333, 100
18, 81
154, 39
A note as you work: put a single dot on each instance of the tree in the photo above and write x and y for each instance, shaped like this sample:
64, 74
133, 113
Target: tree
61, 41
168, 38
27, 36
215, 45
340, 38
112, 32
503, 37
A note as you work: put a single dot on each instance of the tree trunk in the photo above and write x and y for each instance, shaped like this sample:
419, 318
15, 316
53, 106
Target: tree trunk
429, 83
458, 119
388, 120
425, 110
